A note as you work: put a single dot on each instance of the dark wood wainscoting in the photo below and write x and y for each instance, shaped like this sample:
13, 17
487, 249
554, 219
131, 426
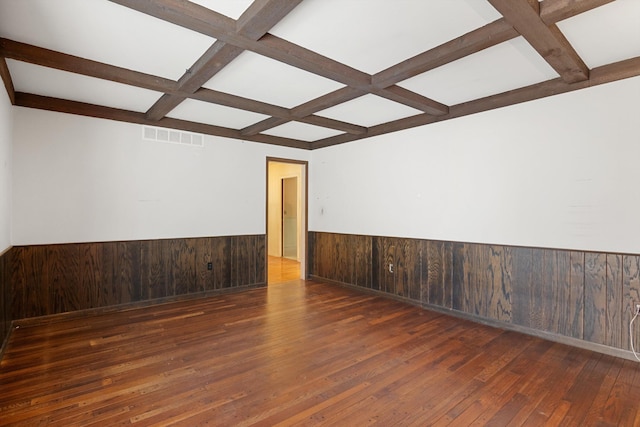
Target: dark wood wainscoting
5, 297
53, 279
579, 295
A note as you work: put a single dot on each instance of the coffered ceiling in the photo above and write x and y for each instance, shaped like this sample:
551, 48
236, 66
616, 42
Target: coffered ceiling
307, 73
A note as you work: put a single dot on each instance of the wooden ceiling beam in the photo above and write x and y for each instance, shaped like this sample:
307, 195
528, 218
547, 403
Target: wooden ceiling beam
211, 62
307, 109
547, 40
327, 101
98, 111
412, 99
6, 79
490, 35
552, 11
600, 75
61, 61
259, 17
326, 122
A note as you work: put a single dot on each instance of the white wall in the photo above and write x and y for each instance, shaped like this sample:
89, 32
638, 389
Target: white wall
560, 172
79, 179
6, 137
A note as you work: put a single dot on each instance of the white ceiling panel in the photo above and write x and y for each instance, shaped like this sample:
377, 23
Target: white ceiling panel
231, 8
213, 114
44, 81
607, 34
302, 131
372, 35
503, 67
267, 80
103, 31
369, 110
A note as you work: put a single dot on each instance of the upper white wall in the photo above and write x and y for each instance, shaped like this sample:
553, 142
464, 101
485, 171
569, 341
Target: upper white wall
79, 179
561, 172
6, 137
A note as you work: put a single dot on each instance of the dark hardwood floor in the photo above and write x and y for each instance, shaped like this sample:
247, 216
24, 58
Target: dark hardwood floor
303, 353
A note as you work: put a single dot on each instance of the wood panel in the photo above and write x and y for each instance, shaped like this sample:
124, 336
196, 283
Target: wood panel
5, 295
362, 263
595, 297
497, 279
521, 282
52, 279
614, 295
575, 307
631, 296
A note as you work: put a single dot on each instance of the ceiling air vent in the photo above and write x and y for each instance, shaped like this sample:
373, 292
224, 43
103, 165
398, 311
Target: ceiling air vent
172, 136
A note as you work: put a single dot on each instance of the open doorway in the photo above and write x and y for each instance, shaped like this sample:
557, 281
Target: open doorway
286, 213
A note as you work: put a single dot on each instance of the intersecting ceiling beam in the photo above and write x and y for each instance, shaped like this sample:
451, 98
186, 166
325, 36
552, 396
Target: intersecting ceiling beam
600, 75
6, 79
213, 24
61, 61
484, 37
547, 40
253, 24
552, 11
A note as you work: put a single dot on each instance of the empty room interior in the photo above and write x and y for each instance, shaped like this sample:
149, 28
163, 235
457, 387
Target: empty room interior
319, 212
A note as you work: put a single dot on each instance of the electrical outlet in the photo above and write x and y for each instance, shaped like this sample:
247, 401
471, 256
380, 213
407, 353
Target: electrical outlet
390, 268
636, 307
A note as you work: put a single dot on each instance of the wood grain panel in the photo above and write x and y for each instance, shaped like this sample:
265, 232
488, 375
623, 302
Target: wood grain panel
91, 271
182, 275
458, 291
576, 301
433, 269
615, 298
447, 275
595, 297
221, 252
631, 296
407, 272
203, 256
5, 295
31, 283
260, 250
63, 265
362, 262
497, 280
153, 262
561, 318
377, 262
538, 294
520, 286
128, 272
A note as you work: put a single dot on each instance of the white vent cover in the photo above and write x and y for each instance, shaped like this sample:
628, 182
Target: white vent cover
172, 136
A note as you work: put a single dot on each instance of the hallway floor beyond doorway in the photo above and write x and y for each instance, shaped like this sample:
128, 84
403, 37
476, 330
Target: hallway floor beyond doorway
282, 270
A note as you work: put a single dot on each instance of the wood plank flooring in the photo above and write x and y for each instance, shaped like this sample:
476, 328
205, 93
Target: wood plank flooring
282, 270
303, 353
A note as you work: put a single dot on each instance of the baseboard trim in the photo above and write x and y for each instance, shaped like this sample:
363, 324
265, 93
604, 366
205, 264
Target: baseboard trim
561, 339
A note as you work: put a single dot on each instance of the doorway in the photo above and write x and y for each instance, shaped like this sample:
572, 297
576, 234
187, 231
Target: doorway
289, 221
286, 217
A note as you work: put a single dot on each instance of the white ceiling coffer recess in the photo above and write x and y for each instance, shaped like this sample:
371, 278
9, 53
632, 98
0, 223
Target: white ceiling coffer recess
307, 73
150, 133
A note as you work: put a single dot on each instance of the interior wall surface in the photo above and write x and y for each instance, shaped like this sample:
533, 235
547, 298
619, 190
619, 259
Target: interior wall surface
79, 179
559, 172
6, 167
